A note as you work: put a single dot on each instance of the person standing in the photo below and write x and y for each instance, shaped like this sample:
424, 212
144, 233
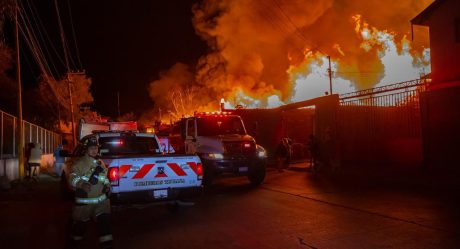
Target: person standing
282, 152
313, 147
27, 151
89, 178
35, 160
58, 160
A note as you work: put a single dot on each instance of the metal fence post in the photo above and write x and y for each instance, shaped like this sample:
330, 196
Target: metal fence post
46, 142
14, 138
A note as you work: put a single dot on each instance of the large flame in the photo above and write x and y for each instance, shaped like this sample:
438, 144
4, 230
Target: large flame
264, 53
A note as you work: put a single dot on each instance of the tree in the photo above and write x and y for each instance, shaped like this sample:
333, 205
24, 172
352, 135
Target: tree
7, 84
55, 95
182, 101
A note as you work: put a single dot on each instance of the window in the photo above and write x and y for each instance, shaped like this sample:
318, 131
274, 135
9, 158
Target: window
128, 145
191, 127
215, 126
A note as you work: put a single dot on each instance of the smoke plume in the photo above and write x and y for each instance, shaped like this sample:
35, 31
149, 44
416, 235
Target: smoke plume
258, 48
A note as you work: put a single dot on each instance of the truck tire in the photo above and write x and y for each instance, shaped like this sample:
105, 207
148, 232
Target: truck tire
208, 179
257, 176
208, 175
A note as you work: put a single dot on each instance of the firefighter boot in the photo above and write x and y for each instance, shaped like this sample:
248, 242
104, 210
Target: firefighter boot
105, 233
78, 230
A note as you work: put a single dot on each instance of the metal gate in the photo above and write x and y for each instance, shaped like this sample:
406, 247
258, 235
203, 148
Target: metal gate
381, 125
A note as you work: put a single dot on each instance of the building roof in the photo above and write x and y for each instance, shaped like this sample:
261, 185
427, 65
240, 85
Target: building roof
422, 18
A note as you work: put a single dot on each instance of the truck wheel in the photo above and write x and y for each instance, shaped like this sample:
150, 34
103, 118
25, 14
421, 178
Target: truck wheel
208, 176
257, 176
208, 179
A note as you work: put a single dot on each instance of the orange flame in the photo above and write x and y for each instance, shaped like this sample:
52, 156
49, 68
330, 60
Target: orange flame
266, 53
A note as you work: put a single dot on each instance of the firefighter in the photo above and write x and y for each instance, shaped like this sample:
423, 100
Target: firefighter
89, 178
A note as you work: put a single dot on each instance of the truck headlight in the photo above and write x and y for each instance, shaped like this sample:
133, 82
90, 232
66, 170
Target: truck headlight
261, 152
216, 156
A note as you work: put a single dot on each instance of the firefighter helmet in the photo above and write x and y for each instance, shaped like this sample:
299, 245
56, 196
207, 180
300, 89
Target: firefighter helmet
92, 141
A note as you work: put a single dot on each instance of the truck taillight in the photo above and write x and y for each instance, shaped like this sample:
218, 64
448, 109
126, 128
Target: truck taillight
114, 176
199, 171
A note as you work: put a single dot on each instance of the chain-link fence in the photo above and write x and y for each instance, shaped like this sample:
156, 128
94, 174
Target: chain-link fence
32, 134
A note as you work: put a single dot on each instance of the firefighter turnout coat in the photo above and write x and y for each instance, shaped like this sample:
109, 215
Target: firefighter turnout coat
95, 201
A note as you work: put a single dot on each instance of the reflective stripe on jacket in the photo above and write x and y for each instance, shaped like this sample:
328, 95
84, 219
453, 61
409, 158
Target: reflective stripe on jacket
94, 200
82, 170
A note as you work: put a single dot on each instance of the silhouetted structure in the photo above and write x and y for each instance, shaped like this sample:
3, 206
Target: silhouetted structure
440, 105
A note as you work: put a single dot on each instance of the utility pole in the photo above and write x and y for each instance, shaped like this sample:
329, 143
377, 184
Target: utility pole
69, 86
72, 114
329, 71
20, 128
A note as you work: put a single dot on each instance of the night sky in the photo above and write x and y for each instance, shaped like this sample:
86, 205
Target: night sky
123, 45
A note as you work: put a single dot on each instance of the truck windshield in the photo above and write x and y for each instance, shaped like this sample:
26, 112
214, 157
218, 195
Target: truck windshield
128, 145
214, 126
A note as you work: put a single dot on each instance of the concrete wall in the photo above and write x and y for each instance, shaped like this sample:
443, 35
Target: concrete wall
10, 166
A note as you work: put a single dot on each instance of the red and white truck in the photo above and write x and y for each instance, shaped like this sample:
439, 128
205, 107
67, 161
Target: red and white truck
139, 170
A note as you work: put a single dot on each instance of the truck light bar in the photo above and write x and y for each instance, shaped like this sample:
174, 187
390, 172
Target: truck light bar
217, 114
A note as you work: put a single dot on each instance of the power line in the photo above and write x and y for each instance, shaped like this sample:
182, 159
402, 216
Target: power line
74, 35
358, 72
34, 47
267, 14
296, 29
61, 28
37, 22
30, 34
46, 34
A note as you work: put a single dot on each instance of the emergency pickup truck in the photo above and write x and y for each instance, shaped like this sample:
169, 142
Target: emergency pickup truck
138, 169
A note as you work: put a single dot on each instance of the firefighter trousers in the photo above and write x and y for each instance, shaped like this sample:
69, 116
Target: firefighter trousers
100, 213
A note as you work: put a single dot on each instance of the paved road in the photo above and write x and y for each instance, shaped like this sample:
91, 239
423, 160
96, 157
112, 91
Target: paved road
290, 210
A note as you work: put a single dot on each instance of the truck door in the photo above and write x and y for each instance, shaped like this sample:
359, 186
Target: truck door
190, 136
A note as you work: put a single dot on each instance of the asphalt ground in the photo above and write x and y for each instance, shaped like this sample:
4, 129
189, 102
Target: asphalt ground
292, 209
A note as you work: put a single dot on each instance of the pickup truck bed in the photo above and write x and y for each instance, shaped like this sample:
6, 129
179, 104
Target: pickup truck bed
155, 178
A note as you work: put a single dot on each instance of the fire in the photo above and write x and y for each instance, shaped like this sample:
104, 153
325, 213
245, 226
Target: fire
265, 53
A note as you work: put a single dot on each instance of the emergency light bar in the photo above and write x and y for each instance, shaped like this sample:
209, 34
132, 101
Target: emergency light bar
199, 114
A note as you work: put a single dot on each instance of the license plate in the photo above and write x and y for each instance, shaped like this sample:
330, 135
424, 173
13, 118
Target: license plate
160, 194
243, 169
